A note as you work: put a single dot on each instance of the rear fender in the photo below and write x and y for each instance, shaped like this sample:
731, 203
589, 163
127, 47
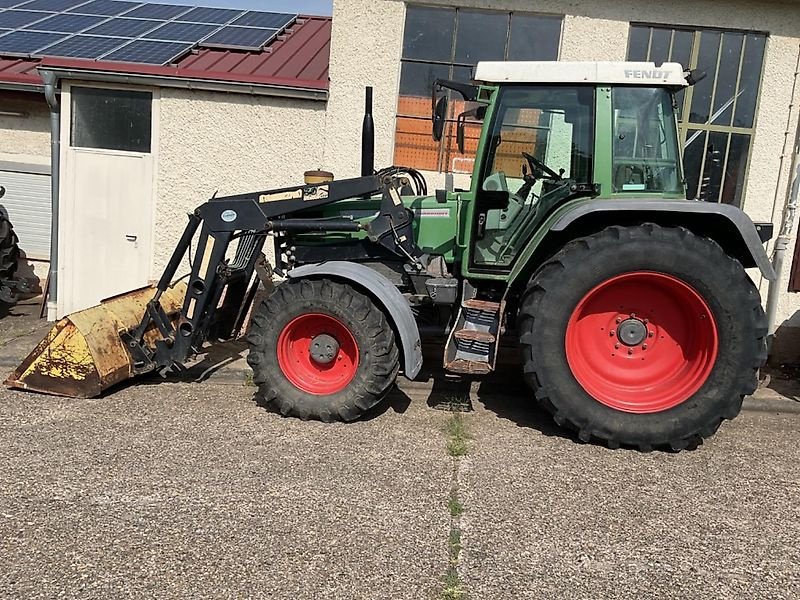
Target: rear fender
725, 224
388, 297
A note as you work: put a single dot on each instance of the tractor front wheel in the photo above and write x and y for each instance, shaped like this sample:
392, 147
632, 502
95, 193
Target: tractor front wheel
322, 350
644, 336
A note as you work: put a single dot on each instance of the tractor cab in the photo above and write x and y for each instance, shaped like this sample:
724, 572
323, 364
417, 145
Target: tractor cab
553, 132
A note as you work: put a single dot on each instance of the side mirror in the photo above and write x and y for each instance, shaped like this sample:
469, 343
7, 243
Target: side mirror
695, 76
460, 132
439, 118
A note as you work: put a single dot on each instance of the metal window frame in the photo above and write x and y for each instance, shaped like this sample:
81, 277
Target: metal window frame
441, 167
684, 123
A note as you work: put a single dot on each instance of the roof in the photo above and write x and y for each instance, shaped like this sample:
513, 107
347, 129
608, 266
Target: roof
629, 73
297, 60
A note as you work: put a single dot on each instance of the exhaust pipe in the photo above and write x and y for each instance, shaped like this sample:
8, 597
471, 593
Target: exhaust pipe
368, 138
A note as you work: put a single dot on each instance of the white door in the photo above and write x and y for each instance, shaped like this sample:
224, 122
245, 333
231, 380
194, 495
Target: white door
107, 187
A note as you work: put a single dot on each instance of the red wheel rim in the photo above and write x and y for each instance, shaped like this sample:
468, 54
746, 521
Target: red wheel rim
642, 342
306, 373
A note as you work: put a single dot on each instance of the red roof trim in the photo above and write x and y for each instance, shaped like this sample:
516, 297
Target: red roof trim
297, 59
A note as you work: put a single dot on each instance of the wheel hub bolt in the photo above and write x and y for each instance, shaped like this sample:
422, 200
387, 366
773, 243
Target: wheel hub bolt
323, 349
632, 332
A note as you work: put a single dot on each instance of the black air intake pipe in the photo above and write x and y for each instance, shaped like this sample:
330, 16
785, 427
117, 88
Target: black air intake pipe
368, 138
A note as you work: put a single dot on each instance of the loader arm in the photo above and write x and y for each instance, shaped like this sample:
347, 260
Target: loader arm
220, 291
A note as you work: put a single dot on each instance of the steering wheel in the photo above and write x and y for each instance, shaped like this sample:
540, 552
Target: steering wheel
535, 163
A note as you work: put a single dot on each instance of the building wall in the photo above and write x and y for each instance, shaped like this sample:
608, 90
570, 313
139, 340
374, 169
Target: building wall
230, 143
367, 45
25, 136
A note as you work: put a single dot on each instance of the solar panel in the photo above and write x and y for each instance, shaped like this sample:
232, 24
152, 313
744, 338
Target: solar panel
83, 46
10, 3
181, 32
51, 5
240, 38
149, 52
123, 27
253, 18
108, 8
14, 19
26, 42
65, 23
211, 15
158, 11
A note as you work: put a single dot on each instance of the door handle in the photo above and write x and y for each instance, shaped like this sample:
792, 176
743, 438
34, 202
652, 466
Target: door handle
131, 238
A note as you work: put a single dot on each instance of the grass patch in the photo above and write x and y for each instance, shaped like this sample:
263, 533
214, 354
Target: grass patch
452, 586
455, 506
456, 436
248, 380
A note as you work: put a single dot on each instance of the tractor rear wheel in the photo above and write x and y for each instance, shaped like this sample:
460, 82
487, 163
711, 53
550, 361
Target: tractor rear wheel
322, 350
644, 336
9, 261
9, 250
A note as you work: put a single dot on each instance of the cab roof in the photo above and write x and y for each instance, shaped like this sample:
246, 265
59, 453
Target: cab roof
668, 74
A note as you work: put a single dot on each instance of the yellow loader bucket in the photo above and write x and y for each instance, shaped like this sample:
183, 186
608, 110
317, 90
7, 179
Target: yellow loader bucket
83, 355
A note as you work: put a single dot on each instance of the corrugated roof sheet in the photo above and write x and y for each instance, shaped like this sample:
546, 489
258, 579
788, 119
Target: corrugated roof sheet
298, 58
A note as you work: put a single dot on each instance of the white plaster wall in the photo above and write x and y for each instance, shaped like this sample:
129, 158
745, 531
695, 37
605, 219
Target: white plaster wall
367, 46
233, 143
24, 138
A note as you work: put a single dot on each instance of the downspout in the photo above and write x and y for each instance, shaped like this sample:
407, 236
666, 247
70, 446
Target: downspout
50, 82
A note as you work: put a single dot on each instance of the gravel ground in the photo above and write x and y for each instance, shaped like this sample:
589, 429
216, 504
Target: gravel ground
550, 518
178, 491
183, 490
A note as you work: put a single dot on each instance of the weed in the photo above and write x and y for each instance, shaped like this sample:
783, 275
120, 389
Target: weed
455, 506
457, 436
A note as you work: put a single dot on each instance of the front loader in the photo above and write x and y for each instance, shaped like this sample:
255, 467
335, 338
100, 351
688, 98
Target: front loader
636, 321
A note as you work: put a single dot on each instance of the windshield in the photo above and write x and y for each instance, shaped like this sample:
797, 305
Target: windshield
553, 124
541, 140
646, 155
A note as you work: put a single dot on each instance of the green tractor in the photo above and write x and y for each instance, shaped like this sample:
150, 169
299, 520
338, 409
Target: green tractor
636, 321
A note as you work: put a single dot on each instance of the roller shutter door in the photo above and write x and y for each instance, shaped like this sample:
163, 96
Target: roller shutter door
27, 202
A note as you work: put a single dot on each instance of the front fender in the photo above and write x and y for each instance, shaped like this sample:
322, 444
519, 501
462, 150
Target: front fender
388, 297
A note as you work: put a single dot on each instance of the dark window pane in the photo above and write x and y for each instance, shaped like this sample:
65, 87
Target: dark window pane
638, 41
682, 54
682, 47
429, 33
711, 184
659, 45
726, 78
534, 37
707, 61
733, 187
751, 77
111, 119
481, 36
693, 154
416, 79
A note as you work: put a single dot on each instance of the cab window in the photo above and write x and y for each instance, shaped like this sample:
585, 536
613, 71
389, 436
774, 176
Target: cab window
646, 158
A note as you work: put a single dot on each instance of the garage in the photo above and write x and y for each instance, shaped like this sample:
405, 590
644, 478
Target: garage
27, 204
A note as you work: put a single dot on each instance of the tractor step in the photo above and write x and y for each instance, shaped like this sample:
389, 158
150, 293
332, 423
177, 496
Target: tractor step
482, 305
469, 367
472, 346
471, 335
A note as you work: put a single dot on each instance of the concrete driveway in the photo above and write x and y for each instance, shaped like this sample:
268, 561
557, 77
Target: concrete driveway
177, 490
